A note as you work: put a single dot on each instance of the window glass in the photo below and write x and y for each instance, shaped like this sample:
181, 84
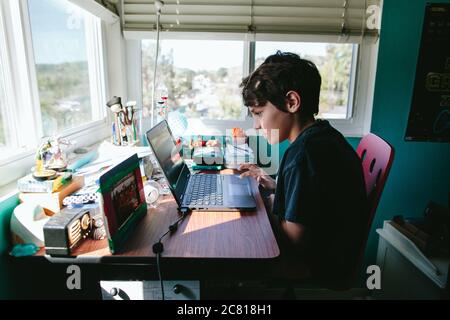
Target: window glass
200, 77
59, 37
334, 61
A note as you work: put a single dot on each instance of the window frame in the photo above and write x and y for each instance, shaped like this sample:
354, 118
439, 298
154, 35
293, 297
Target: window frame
8, 118
25, 103
362, 76
20, 78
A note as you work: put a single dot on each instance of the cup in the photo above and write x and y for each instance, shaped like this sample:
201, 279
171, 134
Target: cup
152, 191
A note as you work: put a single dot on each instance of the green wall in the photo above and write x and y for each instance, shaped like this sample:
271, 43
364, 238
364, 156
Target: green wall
420, 171
6, 285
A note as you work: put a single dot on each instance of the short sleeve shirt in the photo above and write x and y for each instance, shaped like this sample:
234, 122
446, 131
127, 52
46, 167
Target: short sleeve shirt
320, 185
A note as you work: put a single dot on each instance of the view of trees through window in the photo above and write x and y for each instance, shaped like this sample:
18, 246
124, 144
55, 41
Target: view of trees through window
334, 61
59, 43
200, 77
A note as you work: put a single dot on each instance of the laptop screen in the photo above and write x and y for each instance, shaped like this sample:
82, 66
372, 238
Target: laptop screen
169, 158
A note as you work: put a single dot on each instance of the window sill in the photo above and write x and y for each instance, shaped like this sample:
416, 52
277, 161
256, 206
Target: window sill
18, 165
80, 132
8, 191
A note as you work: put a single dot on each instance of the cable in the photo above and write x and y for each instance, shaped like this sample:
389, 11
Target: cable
158, 247
158, 266
158, 5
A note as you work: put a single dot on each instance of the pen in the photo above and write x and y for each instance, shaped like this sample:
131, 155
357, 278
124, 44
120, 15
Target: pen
114, 133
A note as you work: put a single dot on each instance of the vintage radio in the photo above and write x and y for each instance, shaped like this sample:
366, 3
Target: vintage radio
66, 230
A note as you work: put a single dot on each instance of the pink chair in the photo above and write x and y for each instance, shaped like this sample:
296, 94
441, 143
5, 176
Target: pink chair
377, 156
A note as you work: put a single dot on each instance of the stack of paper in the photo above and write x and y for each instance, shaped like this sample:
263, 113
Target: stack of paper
52, 202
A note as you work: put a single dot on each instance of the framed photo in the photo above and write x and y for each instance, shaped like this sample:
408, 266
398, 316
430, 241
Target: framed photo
122, 201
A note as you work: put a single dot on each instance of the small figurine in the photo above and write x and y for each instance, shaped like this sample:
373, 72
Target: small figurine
58, 159
40, 155
99, 229
50, 158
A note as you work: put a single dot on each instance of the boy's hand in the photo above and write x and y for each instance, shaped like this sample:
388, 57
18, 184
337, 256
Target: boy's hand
259, 174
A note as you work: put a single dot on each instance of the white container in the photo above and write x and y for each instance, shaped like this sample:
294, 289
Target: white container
406, 273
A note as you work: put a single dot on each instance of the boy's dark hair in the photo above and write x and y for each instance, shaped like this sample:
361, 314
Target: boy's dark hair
279, 74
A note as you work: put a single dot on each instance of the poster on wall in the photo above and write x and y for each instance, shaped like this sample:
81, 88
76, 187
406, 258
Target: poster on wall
429, 118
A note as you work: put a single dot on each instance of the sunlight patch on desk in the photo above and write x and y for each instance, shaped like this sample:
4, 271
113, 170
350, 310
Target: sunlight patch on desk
208, 221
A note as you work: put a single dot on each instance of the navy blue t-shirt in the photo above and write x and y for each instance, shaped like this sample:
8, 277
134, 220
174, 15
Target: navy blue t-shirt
320, 185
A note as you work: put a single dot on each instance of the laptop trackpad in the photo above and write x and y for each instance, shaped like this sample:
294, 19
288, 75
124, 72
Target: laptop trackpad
238, 187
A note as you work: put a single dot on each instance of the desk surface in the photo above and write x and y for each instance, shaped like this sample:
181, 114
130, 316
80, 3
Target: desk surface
202, 235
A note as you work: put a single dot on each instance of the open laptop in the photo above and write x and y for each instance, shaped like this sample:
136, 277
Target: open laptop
206, 192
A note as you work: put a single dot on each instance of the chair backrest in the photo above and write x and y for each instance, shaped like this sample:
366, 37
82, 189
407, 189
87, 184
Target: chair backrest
376, 156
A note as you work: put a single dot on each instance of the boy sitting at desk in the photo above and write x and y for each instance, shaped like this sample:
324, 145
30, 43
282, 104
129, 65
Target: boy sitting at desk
319, 194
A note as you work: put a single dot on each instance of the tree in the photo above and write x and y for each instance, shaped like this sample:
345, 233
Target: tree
64, 95
336, 76
190, 89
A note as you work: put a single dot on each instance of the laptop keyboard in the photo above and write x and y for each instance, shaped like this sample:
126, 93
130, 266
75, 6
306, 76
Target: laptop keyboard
203, 191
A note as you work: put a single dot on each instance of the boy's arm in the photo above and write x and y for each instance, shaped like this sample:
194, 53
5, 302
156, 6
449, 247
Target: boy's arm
291, 235
295, 232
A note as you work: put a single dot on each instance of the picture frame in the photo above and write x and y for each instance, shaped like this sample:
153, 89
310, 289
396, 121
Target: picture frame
122, 201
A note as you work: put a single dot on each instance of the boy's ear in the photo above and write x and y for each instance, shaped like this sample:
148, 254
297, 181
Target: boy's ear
293, 101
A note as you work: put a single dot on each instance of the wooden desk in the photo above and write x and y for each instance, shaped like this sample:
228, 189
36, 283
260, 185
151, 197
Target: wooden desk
212, 249
223, 238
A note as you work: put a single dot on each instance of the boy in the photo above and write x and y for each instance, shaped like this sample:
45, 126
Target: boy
320, 197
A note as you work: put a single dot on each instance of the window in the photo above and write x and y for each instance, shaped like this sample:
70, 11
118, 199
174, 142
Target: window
334, 61
64, 56
203, 87
201, 77
341, 37
52, 77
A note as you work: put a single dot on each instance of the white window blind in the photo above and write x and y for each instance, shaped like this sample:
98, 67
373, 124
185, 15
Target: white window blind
327, 17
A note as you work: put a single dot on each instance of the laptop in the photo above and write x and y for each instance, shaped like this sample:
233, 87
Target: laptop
202, 192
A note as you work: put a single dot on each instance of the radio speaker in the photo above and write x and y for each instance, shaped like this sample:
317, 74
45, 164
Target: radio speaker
66, 230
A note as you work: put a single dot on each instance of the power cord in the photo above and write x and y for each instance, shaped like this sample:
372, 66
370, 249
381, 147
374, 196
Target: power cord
158, 266
158, 247
158, 6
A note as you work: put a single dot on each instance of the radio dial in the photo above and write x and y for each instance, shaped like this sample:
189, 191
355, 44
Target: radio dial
85, 222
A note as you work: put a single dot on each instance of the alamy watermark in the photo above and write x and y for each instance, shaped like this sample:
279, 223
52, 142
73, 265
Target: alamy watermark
73, 281
373, 281
373, 20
